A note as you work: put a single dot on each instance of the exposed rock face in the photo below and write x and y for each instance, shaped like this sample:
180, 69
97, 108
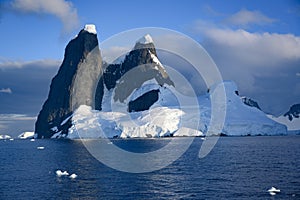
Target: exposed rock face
140, 65
250, 102
143, 102
72, 86
294, 112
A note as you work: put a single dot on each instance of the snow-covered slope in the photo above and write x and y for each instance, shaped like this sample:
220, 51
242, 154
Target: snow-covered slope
158, 122
245, 120
161, 121
293, 125
291, 119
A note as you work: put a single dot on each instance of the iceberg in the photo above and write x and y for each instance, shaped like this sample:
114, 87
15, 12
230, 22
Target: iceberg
27, 135
5, 137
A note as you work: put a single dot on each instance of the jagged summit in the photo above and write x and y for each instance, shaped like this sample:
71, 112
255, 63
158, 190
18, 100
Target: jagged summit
145, 42
91, 28
146, 39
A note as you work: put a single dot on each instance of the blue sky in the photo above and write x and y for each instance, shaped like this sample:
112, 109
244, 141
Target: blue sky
255, 43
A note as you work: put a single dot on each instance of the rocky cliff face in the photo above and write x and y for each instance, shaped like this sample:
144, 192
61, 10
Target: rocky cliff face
73, 84
294, 112
250, 102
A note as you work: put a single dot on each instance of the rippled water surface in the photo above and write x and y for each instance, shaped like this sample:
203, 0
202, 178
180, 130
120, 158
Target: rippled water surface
237, 168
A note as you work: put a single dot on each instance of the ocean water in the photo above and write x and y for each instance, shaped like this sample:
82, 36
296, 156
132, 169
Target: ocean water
237, 168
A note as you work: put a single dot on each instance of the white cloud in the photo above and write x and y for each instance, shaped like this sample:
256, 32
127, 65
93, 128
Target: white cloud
256, 48
263, 64
63, 10
46, 63
112, 54
245, 17
15, 117
6, 90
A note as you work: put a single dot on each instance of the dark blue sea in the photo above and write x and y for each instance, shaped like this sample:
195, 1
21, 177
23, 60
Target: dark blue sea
236, 168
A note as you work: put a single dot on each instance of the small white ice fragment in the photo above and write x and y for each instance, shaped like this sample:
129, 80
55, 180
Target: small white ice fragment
40, 148
60, 173
273, 191
73, 176
32, 140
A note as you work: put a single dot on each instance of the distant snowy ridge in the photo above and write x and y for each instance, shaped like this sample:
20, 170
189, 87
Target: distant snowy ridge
291, 125
242, 119
291, 119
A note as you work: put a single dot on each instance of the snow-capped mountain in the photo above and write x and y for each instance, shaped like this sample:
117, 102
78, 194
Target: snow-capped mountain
242, 119
139, 66
135, 97
79, 71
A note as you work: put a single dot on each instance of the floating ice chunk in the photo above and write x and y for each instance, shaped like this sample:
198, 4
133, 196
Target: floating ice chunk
273, 191
73, 176
26, 135
60, 173
40, 148
5, 137
32, 140
91, 28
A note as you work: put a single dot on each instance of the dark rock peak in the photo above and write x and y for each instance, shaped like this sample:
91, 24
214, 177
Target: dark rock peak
141, 55
139, 65
80, 68
294, 112
250, 102
143, 102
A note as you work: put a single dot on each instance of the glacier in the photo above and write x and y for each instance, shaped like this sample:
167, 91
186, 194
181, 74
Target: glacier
163, 121
293, 126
